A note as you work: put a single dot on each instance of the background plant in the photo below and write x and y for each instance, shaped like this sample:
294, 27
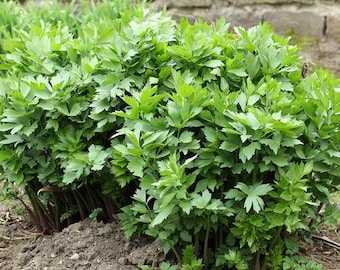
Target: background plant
55, 144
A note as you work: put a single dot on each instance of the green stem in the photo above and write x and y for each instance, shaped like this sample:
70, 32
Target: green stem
206, 247
197, 245
178, 258
257, 261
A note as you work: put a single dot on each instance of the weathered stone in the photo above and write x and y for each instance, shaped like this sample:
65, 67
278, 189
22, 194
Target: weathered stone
244, 17
333, 28
304, 23
189, 3
304, 17
273, 2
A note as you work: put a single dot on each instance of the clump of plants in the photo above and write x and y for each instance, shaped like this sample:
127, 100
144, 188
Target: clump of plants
54, 131
211, 142
232, 149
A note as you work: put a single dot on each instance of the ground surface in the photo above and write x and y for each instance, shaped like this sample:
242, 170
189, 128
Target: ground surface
92, 245
83, 245
325, 53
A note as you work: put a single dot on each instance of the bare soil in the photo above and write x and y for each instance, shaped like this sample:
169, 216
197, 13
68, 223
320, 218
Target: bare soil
84, 245
323, 53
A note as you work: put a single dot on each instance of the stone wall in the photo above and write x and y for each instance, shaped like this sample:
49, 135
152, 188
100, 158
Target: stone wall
315, 18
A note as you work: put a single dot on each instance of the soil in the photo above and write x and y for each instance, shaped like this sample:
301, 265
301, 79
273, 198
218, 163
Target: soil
324, 53
95, 245
84, 245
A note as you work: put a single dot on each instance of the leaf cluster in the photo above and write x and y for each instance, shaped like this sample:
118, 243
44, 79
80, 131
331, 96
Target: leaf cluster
211, 140
234, 145
59, 73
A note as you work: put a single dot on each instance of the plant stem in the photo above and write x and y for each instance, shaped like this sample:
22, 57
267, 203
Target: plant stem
178, 258
197, 245
206, 247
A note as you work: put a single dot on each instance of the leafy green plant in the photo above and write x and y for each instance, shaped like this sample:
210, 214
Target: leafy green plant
190, 262
208, 141
96, 213
54, 138
228, 141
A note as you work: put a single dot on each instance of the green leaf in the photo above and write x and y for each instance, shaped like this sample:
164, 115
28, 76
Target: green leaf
12, 139
201, 201
210, 134
247, 152
136, 166
186, 206
279, 160
229, 146
214, 63
162, 215
97, 157
186, 137
186, 236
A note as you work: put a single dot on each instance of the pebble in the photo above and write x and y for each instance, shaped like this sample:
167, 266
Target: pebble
53, 255
75, 257
122, 261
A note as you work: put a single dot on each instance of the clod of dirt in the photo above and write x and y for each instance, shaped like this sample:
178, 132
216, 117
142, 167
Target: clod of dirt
84, 245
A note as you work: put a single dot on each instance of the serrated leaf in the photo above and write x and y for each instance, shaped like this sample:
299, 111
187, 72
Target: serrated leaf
229, 146
97, 157
253, 202
210, 134
162, 215
140, 195
136, 165
186, 206
247, 152
186, 137
279, 160
201, 201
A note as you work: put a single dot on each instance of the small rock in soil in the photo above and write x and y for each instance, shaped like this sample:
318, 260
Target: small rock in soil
122, 261
75, 257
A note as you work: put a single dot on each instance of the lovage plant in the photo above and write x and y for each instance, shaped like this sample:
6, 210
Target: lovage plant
213, 142
55, 123
232, 149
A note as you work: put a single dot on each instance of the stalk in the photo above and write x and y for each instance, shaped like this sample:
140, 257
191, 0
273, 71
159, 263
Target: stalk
110, 208
178, 258
44, 225
197, 245
80, 206
206, 246
32, 215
